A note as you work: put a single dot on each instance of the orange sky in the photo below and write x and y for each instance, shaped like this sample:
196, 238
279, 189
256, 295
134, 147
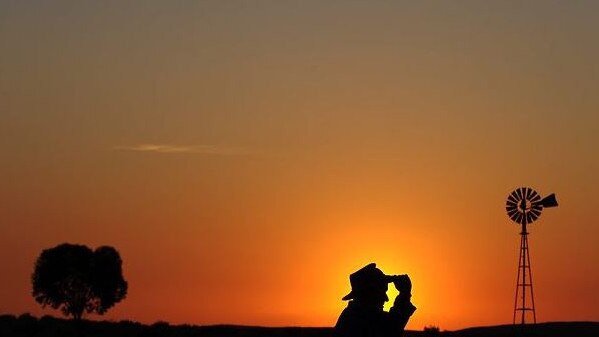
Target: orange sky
246, 157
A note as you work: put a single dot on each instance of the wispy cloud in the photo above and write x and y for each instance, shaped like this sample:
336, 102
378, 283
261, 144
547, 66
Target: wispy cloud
189, 149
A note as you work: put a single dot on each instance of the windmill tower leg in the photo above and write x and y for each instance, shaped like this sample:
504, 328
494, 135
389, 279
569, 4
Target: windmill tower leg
524, 281
532, 298
518, 279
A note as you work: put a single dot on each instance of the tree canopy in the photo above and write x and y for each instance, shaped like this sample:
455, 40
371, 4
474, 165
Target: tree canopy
75, 279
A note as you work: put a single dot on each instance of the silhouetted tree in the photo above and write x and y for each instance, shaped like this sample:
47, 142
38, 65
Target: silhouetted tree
75, 279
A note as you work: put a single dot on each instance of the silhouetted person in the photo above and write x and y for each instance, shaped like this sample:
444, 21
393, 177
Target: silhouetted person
364, 315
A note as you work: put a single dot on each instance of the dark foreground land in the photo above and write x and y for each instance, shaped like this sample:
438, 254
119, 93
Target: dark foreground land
29, 326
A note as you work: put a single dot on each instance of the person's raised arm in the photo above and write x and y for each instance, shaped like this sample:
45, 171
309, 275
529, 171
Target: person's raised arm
402, 308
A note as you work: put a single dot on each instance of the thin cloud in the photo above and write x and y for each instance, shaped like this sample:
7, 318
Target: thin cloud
187, 149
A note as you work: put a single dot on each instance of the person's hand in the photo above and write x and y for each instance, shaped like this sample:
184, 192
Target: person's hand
403, 284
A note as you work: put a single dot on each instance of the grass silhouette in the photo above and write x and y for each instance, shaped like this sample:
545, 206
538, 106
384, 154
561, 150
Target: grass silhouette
27, 325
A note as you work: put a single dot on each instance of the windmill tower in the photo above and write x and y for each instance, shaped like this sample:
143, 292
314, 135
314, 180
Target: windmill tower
524, 206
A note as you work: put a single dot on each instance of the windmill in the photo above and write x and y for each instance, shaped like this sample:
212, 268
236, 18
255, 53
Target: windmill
524, 205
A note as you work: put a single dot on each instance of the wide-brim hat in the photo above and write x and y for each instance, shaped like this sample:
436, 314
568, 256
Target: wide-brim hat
367, 279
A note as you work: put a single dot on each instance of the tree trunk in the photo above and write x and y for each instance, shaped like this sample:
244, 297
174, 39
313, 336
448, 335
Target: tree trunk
79, 324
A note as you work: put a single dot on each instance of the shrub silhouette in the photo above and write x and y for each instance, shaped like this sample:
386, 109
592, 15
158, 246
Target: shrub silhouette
432, 331
75, 279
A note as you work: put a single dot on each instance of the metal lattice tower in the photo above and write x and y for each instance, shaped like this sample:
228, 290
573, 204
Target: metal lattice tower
524, 205
522, 283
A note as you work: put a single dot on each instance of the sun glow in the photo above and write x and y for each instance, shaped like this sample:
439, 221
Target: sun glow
341, 250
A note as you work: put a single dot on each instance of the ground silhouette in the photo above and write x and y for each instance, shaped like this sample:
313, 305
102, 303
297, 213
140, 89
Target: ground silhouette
27, 326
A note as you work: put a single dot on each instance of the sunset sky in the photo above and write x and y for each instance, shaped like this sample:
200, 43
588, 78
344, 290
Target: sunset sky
245, 157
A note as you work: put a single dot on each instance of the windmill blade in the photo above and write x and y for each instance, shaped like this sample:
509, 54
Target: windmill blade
529, 192
519, 218
529, 218
514, 195
511, 208
512, 214
514, 217
519, 191
535, 198
533, 216
511, 211
512, 198
511, 203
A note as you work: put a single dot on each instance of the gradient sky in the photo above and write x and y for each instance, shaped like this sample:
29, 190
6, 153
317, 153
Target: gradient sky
246, 156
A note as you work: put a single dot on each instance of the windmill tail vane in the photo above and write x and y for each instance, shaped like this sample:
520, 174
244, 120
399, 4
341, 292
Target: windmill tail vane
549, 201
